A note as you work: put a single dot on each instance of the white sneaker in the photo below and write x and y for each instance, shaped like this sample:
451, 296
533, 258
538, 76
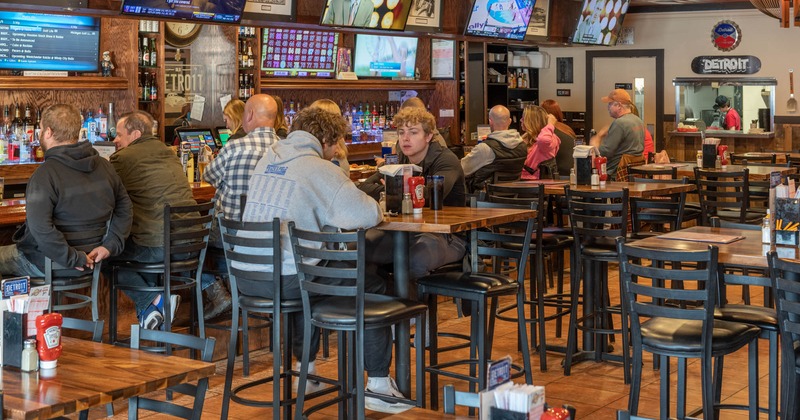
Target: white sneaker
311, 385
385, 386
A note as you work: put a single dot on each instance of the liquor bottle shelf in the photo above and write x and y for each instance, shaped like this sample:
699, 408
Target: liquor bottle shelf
63, 83
333, 84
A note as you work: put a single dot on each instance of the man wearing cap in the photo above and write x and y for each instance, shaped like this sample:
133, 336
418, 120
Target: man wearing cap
729, 119
625, 135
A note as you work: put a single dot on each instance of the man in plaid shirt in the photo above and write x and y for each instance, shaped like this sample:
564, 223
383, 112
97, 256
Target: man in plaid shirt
230, 173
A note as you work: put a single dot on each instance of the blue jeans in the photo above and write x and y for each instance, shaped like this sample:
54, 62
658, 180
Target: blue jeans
142, 254
14, 263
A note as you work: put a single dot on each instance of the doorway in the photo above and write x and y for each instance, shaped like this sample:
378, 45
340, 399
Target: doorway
641, 72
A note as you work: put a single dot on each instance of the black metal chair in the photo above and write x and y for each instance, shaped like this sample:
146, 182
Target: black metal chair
253, 252
95, 328
682, 331
65, 282
346, 308
597, 218
785, 276
186, 230
726, 195
542, 245
744, 159
481, 290
635, 172
657, 211
205, 346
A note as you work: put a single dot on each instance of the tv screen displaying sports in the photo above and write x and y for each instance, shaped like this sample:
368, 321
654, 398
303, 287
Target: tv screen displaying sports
33, 41
600, 22
299, 53
222, 11
507, 19
378, 14
385, 56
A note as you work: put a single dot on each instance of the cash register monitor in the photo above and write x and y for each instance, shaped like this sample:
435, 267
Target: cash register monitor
197, 137
223, 134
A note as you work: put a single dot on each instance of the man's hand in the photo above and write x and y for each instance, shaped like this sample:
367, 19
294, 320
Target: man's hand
95, 256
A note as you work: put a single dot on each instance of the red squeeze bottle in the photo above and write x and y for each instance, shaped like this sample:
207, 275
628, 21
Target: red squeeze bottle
416, 186
48, 339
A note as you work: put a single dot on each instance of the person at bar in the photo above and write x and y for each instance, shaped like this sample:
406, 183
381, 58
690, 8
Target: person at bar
74, 185
565, 133
310, 191
625, 136
153, 176
281, 129
232, 114
428, 251
340, 157
503, 150
543, 143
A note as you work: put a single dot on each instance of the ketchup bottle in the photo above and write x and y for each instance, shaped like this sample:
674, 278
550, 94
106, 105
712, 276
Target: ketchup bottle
416, 186
48, 339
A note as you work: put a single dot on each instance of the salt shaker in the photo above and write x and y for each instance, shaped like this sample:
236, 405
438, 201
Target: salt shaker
30, 357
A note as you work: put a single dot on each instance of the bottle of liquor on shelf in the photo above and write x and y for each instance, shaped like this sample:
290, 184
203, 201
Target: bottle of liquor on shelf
112, 123
347, 114
243, 55
153, 49
241, 87
153, 88
24, 148
250, 59
6, 120
90, 125
139, 85
382, 118
291, 113
13, 148
145, 52
102, 125
251, 86
36, 147
3, 147
146, 90
16, 123
27, 122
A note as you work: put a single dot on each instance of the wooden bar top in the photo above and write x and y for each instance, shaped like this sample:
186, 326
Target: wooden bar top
453, 219
12, 211
92, 374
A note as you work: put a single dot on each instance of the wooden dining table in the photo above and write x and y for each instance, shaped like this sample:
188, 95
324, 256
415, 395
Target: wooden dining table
92, 374
635, 189
756, 172
447, 220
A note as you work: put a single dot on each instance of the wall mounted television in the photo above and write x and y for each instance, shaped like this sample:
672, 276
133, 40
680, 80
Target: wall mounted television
223, 11
506, 19
385, 56
35, 41
378, 14
600, 22
299, 53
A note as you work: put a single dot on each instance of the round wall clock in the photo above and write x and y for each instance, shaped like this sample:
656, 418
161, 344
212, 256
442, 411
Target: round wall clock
181, 34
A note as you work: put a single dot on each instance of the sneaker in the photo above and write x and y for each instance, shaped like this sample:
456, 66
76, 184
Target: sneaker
174, 301
311, 385
151, 318
385, 386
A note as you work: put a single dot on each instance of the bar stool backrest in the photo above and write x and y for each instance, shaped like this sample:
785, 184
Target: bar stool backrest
722, 190
597, 213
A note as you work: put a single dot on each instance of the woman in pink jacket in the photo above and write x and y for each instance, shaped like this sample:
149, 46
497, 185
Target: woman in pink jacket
542, 141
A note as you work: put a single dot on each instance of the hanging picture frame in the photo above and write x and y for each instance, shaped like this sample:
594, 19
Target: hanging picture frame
443, 59
540, 19
425, 16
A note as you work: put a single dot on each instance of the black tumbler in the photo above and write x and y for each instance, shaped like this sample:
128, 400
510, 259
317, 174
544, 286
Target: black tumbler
437, 192
394, 193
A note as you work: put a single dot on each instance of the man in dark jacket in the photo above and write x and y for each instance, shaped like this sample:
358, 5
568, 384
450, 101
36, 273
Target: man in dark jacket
74, 186
502, 151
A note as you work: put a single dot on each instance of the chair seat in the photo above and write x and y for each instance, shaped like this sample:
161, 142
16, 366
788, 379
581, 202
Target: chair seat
760, 316
449, 267
468, 282
79, 278
733, 215
600, 247
257, 302
378, 310
671, 335
176, 266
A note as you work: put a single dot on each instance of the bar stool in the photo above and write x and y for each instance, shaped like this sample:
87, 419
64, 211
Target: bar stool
186, 230
725, 195
784, 275
481, 290
597, 218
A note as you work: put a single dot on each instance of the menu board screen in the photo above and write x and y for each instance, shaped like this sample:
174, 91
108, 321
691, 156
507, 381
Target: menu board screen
299, 53
600, 22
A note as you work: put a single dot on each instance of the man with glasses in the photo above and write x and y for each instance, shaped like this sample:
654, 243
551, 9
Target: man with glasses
625, 136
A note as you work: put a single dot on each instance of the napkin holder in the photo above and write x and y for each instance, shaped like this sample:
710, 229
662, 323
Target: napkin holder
13, 335
584, 155
709, 156
394, 176
787, 221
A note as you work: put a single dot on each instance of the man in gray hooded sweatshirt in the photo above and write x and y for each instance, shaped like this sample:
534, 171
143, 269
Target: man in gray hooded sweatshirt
503, 150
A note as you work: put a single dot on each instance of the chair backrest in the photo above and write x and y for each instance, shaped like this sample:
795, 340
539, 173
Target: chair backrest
186, 230
634, 171
657, 209
206, 348
505, 176
253, 251
532, 196
319, 255
722, 190
83, 238
597, 213
643, 272
93, 327
741, 159
784, 275
792, 161
510, 241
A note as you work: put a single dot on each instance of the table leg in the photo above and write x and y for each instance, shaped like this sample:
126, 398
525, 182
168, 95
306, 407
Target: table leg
402, 330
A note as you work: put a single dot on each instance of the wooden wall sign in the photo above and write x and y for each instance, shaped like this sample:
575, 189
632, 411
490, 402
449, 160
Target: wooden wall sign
736, 64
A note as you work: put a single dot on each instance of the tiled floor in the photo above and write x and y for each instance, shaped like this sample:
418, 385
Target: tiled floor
595, 389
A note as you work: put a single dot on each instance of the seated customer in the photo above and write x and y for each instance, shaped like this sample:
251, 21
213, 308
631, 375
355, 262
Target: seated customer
303, 186
340, 159
73, 184
543, 144
232, 114
428, 251
503, 150
565, 133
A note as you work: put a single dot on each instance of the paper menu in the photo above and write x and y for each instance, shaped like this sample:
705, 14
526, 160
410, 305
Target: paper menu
38, 303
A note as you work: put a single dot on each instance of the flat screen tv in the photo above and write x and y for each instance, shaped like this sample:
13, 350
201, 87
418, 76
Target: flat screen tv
385, 56
507, 19
600, 22
299, 53
378, 14
222, 11
33, 41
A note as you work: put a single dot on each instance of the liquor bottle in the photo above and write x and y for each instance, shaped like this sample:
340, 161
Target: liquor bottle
153, 88
24, 148
375, 116
3, 147
251, 86
6, 120
359, 117
38, 152
382, 118
16, 123
367, 118
145, 52
243, 61
139, 85
112, 122
291, 114
102, 125
250, 59
153, 55
348, 115
241, 87
146, 91
27, 123
141, 55
89, 126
